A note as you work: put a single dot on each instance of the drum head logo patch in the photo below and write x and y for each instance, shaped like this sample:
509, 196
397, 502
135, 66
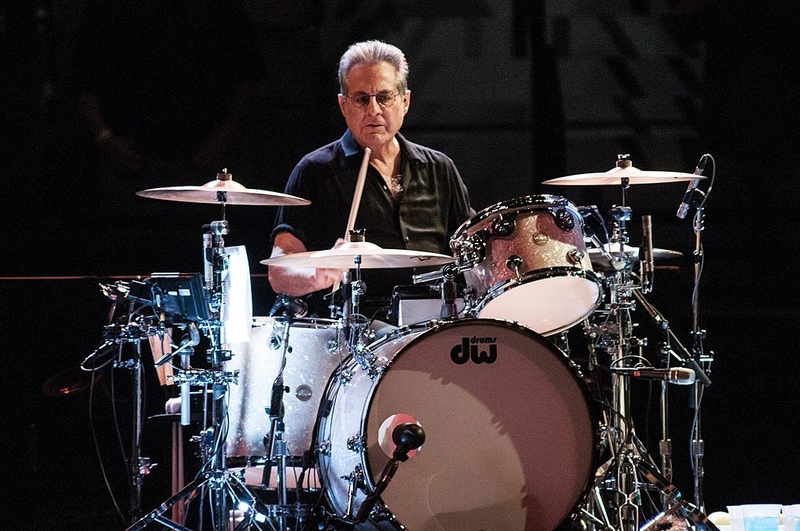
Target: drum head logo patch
478, 349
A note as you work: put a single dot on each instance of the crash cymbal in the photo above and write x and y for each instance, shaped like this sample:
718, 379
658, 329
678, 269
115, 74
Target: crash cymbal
223, 190
615, 175
372, 257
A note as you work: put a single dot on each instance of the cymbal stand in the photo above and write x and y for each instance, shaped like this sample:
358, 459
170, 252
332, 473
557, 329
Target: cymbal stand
621, 474
356, 326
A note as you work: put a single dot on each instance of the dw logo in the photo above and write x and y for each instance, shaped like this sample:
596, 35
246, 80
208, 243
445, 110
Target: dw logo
469, 349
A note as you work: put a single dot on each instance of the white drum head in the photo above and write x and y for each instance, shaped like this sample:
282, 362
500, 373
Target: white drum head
545, 305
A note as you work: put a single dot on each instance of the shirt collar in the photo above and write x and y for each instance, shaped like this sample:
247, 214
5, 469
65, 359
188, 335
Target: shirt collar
351, 147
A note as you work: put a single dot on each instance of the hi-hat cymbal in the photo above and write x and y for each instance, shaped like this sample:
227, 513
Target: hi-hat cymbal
223, 190
599, 259
615, 175
371, 256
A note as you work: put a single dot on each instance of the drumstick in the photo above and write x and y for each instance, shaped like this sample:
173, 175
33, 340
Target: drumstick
362, 176
351, 221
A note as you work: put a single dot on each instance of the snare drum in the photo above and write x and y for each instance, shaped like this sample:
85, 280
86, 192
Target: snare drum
314, 354
527, 261
510, 437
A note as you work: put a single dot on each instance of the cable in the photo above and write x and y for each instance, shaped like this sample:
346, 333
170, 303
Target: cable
98, 452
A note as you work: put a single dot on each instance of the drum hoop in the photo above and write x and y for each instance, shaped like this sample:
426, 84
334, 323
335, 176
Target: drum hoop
513, 205
300, 322
541, 274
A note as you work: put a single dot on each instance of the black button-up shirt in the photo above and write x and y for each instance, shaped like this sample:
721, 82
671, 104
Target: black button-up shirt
435, 202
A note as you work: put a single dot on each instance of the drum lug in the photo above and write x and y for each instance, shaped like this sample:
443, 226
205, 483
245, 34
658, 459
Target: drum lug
345, 376
357, 443
503, 227
332, 346
575, 256
324, 447
564, 219
472, 251
368, 363
513, 263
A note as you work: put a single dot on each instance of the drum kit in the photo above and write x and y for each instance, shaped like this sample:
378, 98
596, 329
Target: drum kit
308, 422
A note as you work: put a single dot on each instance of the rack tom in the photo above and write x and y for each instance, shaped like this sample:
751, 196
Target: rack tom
526, 260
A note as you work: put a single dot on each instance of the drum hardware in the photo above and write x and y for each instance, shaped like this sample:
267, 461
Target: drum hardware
144, 320
449, 292
621, 477
629, 474
277, 448
200, 305
116, 335
274, 440
224, 490
695, 197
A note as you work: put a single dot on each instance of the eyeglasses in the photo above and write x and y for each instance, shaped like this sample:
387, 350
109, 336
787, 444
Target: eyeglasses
385, 98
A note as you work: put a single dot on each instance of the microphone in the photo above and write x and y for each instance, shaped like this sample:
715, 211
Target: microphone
100, 357
675, 375
688, 196
291, 305
647, 264
194, 335
407, 436
185, 348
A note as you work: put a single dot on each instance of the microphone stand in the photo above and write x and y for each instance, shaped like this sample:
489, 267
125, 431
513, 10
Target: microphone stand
138, 464
698, 357
277, 449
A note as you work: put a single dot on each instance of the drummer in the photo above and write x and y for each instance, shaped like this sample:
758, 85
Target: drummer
413, 196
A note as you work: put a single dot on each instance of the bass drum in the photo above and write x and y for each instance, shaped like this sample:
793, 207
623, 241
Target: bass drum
510, 437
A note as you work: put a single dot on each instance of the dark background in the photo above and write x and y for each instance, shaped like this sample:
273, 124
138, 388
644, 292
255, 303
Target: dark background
70, 217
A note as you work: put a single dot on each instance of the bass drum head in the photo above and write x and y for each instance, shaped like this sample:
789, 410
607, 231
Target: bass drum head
510, 436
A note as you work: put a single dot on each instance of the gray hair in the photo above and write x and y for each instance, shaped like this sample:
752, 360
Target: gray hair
370, 53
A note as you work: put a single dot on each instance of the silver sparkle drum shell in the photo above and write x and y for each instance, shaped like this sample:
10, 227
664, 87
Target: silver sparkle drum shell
526, 260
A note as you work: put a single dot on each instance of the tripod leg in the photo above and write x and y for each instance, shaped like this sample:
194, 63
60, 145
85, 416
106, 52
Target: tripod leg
157, 514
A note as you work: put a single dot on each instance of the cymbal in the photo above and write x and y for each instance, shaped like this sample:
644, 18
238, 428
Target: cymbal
615, 175
598, 258
68, 382
223, 190
372, 257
